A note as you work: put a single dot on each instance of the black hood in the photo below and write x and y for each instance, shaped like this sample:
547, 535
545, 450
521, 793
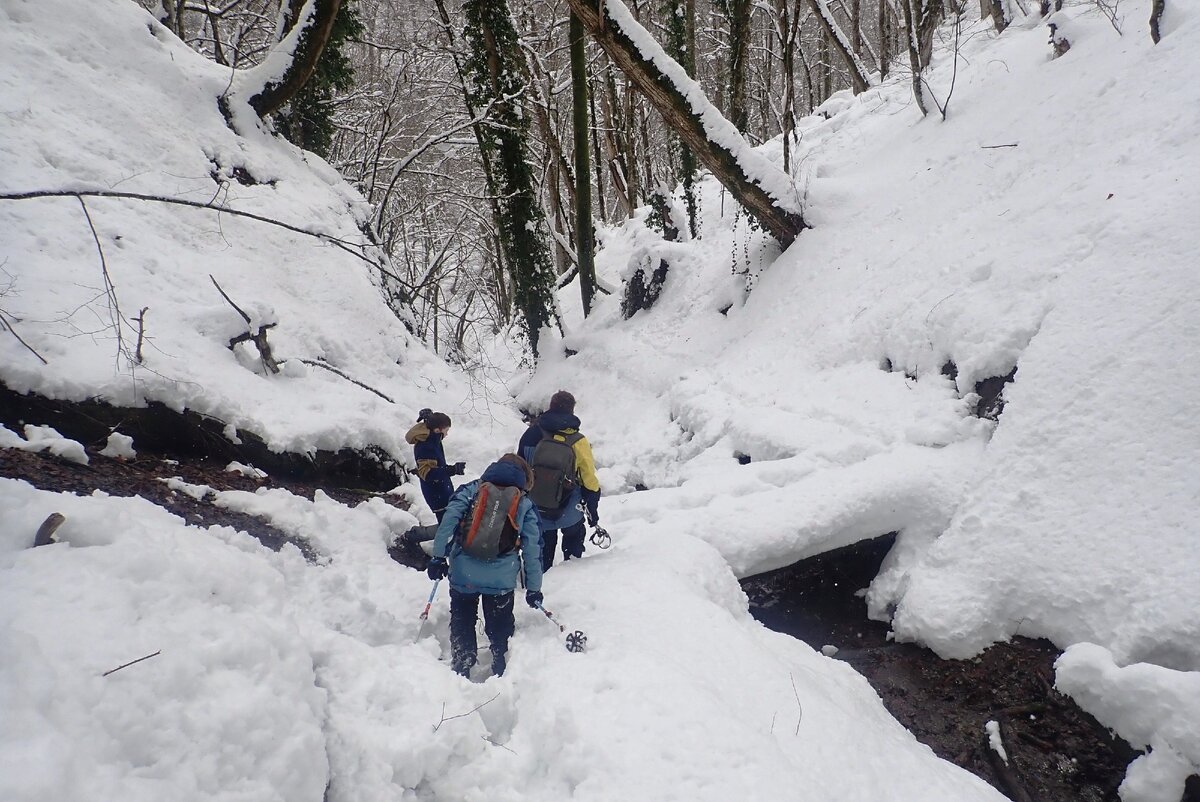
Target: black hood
558, 421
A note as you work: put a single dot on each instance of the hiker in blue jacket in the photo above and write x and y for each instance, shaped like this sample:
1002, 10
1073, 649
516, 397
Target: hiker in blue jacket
494, 580
559, 424
426, 439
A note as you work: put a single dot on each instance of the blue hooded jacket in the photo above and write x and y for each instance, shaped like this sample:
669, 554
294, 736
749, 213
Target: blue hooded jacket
472, 575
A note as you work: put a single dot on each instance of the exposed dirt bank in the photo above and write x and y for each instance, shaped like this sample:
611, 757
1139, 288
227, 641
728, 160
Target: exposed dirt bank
1057, 753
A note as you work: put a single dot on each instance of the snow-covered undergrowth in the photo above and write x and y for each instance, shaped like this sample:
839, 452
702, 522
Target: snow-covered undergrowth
1065, 255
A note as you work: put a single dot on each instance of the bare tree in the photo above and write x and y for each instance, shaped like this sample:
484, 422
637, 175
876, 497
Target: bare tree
860, 77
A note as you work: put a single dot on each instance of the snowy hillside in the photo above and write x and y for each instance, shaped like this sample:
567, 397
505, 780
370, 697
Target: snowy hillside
1045, 225
142, 118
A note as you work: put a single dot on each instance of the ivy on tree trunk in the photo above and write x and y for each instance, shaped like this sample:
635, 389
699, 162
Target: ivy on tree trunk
317, 18
495, 82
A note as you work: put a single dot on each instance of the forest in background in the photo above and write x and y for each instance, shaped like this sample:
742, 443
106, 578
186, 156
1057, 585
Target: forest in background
477, 185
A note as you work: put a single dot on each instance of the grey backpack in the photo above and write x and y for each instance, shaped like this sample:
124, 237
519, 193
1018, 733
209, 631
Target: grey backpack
554, 474
490, 528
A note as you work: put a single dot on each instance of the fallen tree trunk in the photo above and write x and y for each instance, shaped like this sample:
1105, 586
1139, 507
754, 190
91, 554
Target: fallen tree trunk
765, 191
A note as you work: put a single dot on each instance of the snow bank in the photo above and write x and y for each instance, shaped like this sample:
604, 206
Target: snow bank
276, 678
226, 709
1091, 467
1150, 706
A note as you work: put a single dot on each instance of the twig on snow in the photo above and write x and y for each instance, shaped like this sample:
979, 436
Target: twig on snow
317, 363
131, 662
259, 339
141, 321
446, 718
6, 322
110, 289
496, 743
800, 717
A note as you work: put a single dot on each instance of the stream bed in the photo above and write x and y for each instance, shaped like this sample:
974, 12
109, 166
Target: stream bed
1056, 752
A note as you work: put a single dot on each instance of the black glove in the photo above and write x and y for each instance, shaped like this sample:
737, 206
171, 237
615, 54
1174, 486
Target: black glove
458, 469
438, 568
533, 598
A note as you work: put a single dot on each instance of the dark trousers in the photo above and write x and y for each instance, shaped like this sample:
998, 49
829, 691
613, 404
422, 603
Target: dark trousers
498, 625
572, 544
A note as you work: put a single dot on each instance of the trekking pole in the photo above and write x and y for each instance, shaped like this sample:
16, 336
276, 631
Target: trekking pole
428, 604
600, 537
576, 641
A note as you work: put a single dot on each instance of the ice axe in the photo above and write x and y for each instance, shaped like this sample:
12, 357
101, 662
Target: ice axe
576, 641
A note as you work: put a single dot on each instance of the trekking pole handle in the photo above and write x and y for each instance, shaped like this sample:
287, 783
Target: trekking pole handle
550, 616
428, 604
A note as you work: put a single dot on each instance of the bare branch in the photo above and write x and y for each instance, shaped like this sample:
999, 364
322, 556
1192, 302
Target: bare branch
446, 718
322, 364
224, 295
98, 193
8, 324
131, 662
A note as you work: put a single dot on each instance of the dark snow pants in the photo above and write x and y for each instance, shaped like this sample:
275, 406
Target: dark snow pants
572, 544
498, 625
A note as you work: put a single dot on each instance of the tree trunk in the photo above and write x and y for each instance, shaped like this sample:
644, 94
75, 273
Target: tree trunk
494, 66
787, 30
914, 56
856, 38
860, 78
739, 52
824, 69
562, 259
484, 158
885, 40
173, 16
597, 153
997, 10
307, 27
765, 192
614, 144
1156, 13
681, 46
583, 172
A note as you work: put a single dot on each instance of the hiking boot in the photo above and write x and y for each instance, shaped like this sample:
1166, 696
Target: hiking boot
499, 663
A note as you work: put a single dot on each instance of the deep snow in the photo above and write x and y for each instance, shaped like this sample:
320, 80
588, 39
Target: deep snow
1067, 256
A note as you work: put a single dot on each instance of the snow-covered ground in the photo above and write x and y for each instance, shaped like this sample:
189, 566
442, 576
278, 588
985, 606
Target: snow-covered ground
1067, 255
